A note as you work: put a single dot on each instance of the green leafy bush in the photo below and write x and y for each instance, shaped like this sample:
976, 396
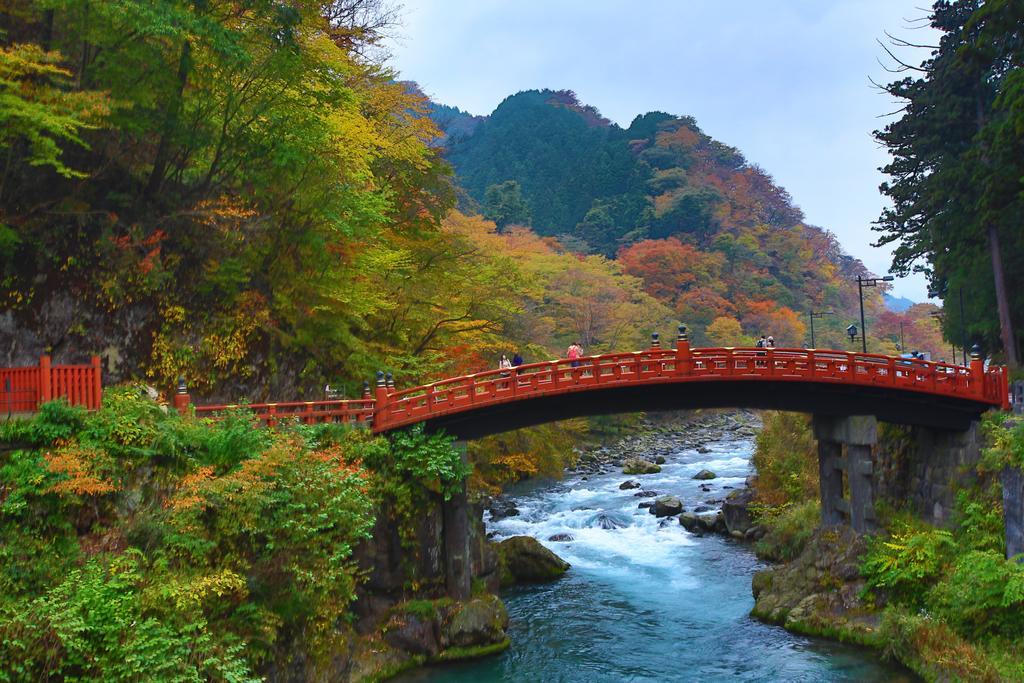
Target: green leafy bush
92, 626
982, 596
908, 562
429, 458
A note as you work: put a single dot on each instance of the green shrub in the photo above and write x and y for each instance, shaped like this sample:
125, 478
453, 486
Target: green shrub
979, 517
56, 421
92, 626
907, 563
789, 529
982, 596
430, 459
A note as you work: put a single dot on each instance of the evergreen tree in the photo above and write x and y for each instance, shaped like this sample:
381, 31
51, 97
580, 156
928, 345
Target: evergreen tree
504, 204
957, 169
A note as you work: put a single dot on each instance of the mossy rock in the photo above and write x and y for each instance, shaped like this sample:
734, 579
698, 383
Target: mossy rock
480, 622
705, 474
524, 559
639, 466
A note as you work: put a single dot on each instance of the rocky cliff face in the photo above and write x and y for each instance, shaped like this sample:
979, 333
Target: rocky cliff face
403, 618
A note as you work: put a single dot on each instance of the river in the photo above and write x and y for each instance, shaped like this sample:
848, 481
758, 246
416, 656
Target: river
645, 600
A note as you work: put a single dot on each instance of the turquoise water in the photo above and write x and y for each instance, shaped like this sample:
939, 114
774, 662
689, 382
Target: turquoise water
645, 600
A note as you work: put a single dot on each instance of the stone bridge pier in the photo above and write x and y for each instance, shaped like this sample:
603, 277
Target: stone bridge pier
920, 470
844, 456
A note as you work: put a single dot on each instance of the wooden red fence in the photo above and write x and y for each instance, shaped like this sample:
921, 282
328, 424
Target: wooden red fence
23, 389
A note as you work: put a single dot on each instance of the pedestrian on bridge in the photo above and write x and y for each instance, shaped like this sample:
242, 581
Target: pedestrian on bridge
573, 353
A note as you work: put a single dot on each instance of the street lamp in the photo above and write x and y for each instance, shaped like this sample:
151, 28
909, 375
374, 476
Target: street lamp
863, 282
817, 314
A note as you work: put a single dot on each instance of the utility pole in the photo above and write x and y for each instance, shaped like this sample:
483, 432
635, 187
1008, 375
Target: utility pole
813, 315
963, 330
863, 282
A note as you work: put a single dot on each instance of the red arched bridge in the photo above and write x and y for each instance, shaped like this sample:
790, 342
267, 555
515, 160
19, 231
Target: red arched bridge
822, 382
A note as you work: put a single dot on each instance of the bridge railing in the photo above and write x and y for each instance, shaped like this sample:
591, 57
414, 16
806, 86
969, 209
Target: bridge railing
307, 412
389, 409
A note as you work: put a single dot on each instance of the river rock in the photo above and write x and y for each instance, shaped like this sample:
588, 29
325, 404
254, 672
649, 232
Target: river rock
713, 522
688, 520
629, 484
666, 506
645, 494
480, 621
703, 450
500, 509
639, 466
705, 474
411, 633
736, 510
561, 538
606, 521
645, 505
660, 460
524, 559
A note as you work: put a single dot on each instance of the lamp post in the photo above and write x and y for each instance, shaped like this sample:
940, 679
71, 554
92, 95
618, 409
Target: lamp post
813, 315
963, 330
863, 282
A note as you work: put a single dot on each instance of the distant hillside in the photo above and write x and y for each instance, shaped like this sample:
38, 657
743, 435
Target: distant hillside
709, 233
898, 304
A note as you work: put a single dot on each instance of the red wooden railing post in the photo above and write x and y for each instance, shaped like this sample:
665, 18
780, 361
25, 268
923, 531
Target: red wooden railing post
45, 379
1004, 383
181, 398
977, 371
380, 407
682, 352
97, 383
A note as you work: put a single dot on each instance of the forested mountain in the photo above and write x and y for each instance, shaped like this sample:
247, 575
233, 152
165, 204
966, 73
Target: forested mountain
711, 235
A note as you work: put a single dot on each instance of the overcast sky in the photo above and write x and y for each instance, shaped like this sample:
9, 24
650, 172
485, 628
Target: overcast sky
787, 82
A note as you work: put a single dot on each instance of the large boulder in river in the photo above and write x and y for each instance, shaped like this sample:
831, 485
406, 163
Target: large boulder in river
666, 506
639, 466
705, 474
629, 484
736, 510
524, 559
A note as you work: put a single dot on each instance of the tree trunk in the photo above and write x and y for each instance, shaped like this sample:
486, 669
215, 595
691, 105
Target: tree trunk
1002, 298
163, 150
